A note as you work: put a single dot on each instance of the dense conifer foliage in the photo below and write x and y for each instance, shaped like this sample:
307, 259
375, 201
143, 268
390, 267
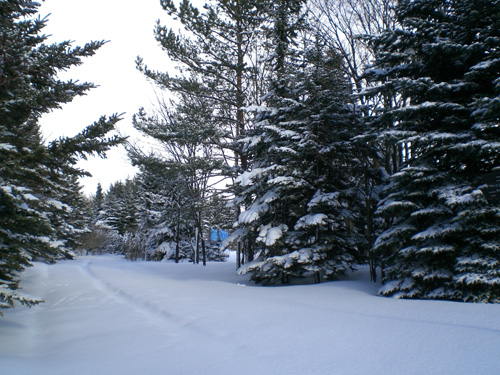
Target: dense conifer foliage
441, 68
38, 187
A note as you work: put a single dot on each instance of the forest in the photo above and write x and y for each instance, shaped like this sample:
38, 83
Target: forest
321, 135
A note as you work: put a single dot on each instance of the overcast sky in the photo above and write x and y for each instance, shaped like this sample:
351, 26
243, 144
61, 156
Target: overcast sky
128, 25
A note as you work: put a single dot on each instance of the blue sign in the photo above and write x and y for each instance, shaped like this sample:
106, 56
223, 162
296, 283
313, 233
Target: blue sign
218, 235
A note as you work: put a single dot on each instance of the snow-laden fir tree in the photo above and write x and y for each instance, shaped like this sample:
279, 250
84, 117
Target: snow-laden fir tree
37, 186
298, 217
100, 237
442, 67
97, 202
120, 207
163, 221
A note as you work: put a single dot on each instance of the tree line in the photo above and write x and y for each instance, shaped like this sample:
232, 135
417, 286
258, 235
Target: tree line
321, 134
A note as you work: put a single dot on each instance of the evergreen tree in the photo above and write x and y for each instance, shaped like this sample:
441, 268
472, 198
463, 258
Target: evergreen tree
163, 219
299, 217
97, 202
36, 180
442, 233
223, 60
96, 239
120, 207
73, 219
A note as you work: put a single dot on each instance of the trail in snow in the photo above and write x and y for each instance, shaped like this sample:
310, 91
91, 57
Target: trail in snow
144, 307
158, 315
104, 315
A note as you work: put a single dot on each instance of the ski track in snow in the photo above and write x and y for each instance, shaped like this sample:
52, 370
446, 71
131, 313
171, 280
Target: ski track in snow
144, 307
159, 317
156, 314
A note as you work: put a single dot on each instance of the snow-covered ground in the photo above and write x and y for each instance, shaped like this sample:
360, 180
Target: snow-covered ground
104, 315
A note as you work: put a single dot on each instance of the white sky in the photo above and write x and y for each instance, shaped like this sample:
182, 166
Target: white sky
128, 25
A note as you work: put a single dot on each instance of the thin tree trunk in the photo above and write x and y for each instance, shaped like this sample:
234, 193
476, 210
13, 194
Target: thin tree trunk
177, 242
197, 246
238, 254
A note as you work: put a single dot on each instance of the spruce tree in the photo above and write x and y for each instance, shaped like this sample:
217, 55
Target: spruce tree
97, 202
120, 207
299, 218
160, 214
36, 180
442, 232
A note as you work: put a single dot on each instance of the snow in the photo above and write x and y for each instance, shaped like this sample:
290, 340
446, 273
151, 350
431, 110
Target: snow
485, 64
285, 180
437, 230
235, 235
269, 234
391, 233
59, 205
311, 220
284, 133
436, 249
7, 147
30, 197
106, 316
246, 178
320, 197
252, 214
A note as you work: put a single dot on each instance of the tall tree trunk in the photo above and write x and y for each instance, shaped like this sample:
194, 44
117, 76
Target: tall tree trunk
369, 236
250, 251
238, 255
177, 240
240, 99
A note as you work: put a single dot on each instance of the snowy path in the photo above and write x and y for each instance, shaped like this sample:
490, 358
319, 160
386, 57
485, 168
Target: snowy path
106, 316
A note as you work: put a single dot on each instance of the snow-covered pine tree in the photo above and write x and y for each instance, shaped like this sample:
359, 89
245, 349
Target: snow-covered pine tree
331, 166
99, 238
299, 218
120, 207
219, 56
442, 237
162, 219
97, 202
72, 219
34, 177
